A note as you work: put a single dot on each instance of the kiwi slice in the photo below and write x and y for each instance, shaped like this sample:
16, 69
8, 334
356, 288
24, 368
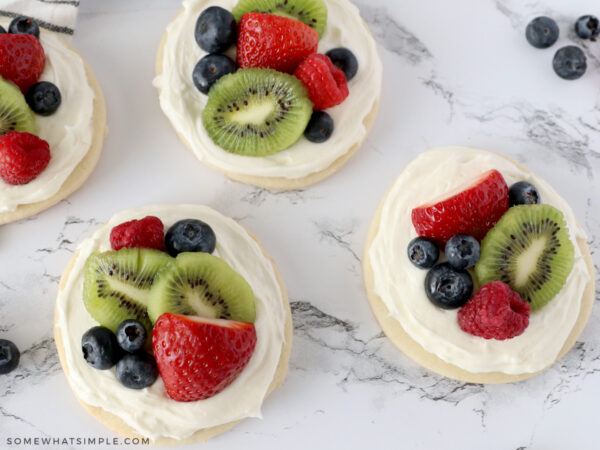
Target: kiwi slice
311, 12
199, 284
256, 112
530, 250
117, 285
15, 114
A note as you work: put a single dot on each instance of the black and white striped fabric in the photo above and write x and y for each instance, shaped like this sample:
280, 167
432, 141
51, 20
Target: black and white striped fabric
55, 15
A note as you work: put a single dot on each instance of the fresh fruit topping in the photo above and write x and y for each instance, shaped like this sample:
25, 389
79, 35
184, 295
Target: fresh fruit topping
215, 30
43, 98
319, 128
9, 356
344, 59
198, 358
327, 85
473, 210
117, 285
462, 251
199, 284
24, 25
148, 232
22, 59
542, 32
274, 42
569, 62
23, 157
131, 335
495, 312
523, 193
256, 112
447, 287
190, 235
530, 250
137, 370
15, 115
423, 253
100, 348
310, 12
210, 69
587, 27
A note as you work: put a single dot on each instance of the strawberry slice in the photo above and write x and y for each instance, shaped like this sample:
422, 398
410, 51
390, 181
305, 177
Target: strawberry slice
146, 233
197, 358
22, 59
474, 210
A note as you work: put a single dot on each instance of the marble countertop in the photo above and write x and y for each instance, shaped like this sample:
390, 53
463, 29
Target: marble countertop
452, 75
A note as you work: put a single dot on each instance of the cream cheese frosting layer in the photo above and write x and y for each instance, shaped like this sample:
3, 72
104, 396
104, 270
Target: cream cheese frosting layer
69, 131
183, 103
149, 411
400, 285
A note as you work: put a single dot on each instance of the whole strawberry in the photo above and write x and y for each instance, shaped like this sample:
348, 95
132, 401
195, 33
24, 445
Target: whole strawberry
326, 84
23, 157
275, 42
22, 59
148, 232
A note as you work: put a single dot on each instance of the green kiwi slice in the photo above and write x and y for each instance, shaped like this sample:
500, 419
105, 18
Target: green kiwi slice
15, 114
530, 250
256, 112
199, 284
311, 12
117, 285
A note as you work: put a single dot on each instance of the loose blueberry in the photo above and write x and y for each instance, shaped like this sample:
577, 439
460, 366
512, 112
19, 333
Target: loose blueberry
137, 370
215, 30
587, 27
319, 128
190, 235
569, 62
43, 98
447, 287
345, 60
542, 32
462, 251
523, 193
9, 356
24, 25
423, 253
209, 69
2, 30
100, 348
131, 335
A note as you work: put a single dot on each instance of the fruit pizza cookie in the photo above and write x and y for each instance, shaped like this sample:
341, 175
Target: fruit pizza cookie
172, 324
278, 94
52, 120
476, 268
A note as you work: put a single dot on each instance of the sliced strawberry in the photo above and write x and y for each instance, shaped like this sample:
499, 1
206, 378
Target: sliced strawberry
22, 59
23, 156
474, 210
148, 232
197, 358
326, 84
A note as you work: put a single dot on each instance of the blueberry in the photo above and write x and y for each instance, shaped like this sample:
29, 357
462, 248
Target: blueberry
131, 335
523, 193
43, 98
423, 253
100, 348
2, 30
9, 356
447, 287
587, 27
137, 370
209, 69
190, 235
215, 30
462, 251
319, 128
542, 32
569, 62
345, 60
24, 25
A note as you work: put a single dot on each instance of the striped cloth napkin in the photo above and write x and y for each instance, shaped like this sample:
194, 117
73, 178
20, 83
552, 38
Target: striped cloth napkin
55, 15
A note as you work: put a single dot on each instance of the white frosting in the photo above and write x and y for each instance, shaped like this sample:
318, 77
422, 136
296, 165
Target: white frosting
69, 131
401, 285
183, 103
149, 411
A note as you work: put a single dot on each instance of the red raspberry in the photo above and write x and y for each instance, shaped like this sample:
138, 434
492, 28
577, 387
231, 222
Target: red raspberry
327, 85
23, 157
496, 312
22, 59
148, 232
